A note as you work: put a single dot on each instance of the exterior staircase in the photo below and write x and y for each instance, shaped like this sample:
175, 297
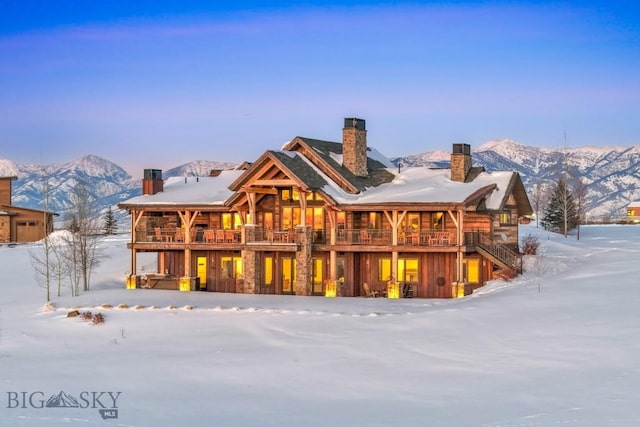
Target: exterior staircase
498, 253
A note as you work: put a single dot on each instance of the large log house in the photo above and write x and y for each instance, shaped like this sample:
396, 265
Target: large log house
319, 214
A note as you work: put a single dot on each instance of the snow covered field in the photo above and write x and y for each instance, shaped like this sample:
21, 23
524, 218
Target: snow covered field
506, 356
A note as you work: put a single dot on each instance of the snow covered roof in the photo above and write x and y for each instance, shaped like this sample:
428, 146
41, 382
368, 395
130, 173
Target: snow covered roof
191, 191
635, 204
424, 185
410, 185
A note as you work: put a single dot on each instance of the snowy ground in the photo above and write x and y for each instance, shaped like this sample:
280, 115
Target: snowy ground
506, 356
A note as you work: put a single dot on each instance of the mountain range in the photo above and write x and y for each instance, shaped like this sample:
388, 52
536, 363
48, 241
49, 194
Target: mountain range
611, 174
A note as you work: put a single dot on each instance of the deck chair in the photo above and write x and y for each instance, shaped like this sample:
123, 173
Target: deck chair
407, 290
368, 292
365, 236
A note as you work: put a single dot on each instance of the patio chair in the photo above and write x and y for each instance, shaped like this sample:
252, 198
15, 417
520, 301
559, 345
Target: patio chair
368, 292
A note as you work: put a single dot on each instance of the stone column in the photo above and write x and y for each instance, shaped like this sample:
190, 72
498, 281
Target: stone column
304, 241
251, 269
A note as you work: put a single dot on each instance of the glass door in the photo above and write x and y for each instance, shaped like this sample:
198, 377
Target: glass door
288, 275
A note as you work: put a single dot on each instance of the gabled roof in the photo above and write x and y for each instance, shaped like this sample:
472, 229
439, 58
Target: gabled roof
327, 156
291, 164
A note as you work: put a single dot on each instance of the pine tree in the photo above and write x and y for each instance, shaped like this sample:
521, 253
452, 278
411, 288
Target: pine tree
110, 224
561, 214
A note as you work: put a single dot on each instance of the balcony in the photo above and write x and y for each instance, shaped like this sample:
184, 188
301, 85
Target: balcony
176, 235
356, 237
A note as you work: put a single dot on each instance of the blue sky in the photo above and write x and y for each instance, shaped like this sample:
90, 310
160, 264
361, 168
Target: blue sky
160, 83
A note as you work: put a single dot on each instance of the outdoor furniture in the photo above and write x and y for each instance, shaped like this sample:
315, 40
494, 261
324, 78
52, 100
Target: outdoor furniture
365, 237
368, 292
209, 236
407, 290
219, 236
281, 236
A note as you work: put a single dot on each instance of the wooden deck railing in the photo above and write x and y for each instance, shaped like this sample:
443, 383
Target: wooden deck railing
373, 237
177, 235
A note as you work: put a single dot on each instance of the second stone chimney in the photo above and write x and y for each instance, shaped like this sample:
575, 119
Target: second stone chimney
152, 181
354, 146
460, 162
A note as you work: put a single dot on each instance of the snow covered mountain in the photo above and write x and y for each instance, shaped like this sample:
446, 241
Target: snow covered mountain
612, 174
197, 168
109, 183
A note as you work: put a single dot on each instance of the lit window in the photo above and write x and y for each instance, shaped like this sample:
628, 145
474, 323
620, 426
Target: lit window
505, 217
384, 269
437, 220
408, 270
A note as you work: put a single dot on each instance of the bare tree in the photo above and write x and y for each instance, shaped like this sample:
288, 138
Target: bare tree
41, 261
84, 227
579, 190
539, 197
540, 267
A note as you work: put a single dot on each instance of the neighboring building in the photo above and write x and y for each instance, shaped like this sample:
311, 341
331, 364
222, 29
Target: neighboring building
633, 212
317, 214
19, 224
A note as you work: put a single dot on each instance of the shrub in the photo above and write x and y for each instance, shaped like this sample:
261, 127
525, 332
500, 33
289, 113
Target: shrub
97, 319
529, 244
505, 274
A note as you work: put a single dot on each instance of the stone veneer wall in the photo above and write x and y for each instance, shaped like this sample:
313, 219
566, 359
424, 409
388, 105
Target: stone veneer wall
354, 150
251, 269
460, 167
304, 240
5, 229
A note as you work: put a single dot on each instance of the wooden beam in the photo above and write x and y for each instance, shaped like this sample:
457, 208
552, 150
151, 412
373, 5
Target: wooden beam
259, 190
274, 182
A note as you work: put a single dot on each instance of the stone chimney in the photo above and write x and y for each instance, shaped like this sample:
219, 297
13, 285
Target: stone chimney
354, 146
460, 162
152, 181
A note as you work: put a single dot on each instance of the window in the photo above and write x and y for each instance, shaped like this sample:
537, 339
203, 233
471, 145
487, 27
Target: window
268, 271
373, 219
384, 269
471, 270
288, 275
231, 221
317, 274
505, 217
437, 220
340, 268
341, 218
631, 212
408, 270
231, 268
268, 220
290, 217
315, 218
411, 222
